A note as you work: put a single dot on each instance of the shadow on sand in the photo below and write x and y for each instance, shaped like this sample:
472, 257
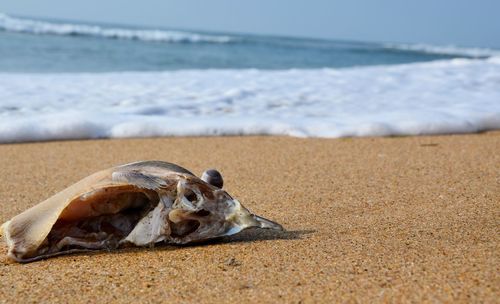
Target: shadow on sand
246, 236
256, 235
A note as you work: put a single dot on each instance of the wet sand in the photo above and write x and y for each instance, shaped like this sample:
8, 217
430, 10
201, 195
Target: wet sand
368, 219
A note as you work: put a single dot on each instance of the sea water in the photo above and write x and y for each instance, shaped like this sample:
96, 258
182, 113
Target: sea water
71, 80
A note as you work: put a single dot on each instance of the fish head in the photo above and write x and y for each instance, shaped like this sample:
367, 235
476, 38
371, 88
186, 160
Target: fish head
136, 204
203, 211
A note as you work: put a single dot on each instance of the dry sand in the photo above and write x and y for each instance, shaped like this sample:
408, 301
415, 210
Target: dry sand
368, 219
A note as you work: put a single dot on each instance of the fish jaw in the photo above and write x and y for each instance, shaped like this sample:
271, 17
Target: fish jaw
241, 218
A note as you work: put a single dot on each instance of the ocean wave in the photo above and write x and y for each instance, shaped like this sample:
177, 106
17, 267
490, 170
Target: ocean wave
22, 25
440, 97
444, 50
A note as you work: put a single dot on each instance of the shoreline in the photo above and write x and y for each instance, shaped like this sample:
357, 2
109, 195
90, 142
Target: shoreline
410, 218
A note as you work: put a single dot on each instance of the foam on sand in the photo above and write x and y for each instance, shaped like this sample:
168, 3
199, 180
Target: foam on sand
450, 96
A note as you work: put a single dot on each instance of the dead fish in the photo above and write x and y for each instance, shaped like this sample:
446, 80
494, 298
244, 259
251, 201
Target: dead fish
138, 204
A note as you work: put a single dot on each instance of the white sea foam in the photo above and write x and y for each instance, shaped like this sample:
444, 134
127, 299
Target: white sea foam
23, 25
445, 50
450, 96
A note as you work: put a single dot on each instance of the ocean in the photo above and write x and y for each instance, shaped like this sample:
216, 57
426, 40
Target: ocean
74, 80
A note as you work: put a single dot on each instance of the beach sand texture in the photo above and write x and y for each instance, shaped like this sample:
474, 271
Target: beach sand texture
368, 219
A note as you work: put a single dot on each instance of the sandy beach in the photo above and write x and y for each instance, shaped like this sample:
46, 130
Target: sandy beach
400, 219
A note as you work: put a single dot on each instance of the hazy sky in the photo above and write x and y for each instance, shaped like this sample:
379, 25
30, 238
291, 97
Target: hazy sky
459, 22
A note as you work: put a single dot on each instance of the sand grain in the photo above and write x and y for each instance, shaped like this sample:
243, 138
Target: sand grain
368, 219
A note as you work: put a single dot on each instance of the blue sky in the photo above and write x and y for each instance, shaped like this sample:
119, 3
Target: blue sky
458, 22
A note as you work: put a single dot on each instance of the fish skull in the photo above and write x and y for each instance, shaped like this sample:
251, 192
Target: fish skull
137, 204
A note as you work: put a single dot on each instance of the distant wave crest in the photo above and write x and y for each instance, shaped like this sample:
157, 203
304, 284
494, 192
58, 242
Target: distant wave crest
445, 50
22, 25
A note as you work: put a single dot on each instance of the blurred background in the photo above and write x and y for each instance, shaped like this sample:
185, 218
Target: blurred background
98, 69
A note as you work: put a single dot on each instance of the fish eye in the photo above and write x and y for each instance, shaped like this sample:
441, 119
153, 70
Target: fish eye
190, 196
213, 177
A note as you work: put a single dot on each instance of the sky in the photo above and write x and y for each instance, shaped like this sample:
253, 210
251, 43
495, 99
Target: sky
443, 22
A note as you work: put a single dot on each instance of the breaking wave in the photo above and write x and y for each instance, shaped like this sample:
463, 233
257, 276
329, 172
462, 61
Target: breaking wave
22, 25
444, 50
